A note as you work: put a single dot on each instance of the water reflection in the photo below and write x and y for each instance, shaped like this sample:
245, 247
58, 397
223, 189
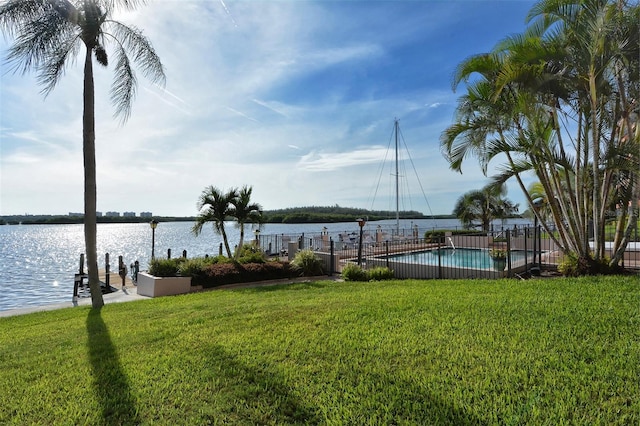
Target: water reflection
37, 262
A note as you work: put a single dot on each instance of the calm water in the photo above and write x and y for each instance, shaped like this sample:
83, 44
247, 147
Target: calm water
37, 262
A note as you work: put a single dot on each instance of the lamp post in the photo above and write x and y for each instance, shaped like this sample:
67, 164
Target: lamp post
257, 234
361, 223
153, 224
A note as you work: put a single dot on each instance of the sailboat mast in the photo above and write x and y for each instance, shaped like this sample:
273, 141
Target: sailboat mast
397, 185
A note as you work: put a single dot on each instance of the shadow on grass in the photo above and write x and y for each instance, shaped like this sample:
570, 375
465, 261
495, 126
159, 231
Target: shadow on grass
257, 394
303, 285
109, 381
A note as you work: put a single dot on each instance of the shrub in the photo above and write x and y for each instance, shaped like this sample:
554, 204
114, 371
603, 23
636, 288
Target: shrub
229, 273
250, 253
194, 268
353, 272
438, 235
496, 253
165, 267
573, 266
307, 263
379, 273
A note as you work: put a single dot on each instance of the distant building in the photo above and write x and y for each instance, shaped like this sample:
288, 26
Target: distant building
129, 214
112, 214
98, 214
146, 214
76, 214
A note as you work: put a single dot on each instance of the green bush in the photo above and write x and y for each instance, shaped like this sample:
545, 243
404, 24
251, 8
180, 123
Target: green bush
165, 267
250, 253
194, 267
379, 273
438, 234
573, 266
307, 263
353, 272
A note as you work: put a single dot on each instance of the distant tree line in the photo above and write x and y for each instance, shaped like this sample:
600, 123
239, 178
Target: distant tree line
66, 220
319, 214
313, 214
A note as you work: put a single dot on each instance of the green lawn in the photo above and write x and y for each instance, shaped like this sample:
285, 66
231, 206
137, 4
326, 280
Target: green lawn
561, 351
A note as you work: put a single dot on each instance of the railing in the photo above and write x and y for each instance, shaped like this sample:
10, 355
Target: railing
526, 251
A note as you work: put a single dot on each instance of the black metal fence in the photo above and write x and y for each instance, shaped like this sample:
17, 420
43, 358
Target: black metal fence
496, 254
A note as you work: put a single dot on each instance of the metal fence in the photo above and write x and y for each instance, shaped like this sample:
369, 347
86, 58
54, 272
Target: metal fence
501, 253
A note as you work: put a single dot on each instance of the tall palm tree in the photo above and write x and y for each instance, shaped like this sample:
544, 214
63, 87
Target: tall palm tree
244, 211
215, 206
48, 35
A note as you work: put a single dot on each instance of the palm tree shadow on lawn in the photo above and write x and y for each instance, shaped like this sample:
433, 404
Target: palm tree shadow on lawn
109, 380
263, 385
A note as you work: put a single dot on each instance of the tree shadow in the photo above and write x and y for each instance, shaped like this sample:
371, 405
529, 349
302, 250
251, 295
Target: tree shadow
109, 380
302, 285
256, 387
261, 394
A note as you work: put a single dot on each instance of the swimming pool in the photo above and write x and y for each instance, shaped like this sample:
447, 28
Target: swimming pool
457, 258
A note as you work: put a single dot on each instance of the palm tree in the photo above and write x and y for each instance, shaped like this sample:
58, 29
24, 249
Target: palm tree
244, 211
483, 206
215, 206
49, 35
558, 101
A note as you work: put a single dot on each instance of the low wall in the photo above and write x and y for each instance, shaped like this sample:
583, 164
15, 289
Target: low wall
152, 286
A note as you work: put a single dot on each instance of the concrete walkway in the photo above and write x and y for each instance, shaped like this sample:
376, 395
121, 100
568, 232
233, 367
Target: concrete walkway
130, 293
126, 294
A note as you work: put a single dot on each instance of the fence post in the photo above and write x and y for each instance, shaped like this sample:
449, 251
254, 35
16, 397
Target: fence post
508, 236
526, 253
332, 265
539, 230
386, 249
81, 268
440, 242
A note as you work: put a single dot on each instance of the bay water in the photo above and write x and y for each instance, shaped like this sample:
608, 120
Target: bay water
38, 262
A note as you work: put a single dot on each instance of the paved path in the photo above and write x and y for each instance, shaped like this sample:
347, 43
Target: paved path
130, 293
126, 294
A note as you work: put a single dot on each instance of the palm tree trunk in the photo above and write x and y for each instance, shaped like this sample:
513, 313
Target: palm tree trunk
89, 152
226, 242
241, 242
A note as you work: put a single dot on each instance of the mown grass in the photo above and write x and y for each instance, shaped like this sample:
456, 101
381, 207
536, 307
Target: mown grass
562, 351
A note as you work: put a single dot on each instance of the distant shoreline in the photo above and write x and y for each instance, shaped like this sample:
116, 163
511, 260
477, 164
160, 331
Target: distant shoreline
278, 218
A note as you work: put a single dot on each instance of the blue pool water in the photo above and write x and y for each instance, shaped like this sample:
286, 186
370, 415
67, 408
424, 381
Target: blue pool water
458, 258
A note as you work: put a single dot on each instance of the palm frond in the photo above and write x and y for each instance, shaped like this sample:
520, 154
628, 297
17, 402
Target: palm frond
37, 39
142, 52
131, 48
123, 88
53, 70
15, 13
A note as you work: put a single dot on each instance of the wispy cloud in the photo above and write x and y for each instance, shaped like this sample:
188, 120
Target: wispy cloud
252, 85
332, 161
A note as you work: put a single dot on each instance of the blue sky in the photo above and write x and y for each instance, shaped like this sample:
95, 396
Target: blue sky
294, 98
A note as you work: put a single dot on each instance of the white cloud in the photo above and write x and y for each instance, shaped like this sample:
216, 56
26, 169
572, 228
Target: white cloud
250, 87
